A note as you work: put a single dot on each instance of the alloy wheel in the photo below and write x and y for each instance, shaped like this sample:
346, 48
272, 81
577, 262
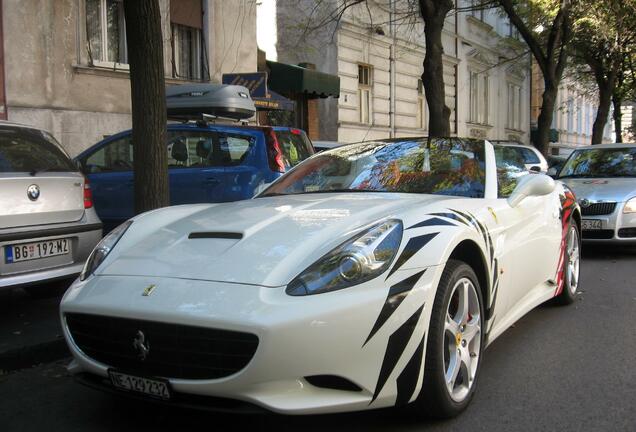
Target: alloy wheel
462, 339
574, 258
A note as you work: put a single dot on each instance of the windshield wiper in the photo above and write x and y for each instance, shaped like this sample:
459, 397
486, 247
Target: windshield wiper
41, 170
322, 191
578, 176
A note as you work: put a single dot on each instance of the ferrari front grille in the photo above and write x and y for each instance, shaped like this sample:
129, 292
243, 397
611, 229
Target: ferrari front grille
161, 349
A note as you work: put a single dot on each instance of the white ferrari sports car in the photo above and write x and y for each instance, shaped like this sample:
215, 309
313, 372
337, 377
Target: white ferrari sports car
369, 276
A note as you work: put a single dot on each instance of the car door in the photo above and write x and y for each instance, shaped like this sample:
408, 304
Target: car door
242, 154
109, 169
530, 239
196, 174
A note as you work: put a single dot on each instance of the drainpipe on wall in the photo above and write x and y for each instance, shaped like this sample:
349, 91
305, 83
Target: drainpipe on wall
392, 103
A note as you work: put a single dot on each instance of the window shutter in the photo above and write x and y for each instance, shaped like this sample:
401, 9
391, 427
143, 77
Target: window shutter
187, 12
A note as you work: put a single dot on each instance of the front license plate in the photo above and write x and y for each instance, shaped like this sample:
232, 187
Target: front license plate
149, 386
592, 224
36, 250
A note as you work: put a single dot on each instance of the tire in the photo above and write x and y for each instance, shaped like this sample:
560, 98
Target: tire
571, 266
50, 289
448, 344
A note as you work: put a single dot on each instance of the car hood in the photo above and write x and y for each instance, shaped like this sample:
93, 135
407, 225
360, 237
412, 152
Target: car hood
268, 241
602, 189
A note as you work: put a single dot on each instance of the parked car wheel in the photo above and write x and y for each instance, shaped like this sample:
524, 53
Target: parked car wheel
455, 343
571, 266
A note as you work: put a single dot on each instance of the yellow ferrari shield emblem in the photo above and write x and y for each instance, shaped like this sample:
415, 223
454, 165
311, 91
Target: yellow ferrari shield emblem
148, 290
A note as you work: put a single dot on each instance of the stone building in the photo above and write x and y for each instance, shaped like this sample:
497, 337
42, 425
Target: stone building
378, 53
65, 61
573, 116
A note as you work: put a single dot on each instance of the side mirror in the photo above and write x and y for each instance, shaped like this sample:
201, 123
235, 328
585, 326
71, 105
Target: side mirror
260, 188
535, 168
531, 185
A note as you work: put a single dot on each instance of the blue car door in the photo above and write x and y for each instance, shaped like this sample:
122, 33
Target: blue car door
109, 170
244, 163
196, 175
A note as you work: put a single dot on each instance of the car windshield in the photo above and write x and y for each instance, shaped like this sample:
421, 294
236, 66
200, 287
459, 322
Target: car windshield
608, 162
27, 150
442, 166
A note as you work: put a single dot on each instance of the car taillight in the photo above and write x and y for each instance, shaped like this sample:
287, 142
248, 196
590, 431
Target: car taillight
88, 194
274, 153
296, 131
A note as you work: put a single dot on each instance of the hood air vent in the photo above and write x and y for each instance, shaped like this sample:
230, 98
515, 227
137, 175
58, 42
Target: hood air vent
215, 235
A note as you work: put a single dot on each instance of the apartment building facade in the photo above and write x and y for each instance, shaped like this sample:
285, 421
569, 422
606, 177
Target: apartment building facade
66, 68
378, 52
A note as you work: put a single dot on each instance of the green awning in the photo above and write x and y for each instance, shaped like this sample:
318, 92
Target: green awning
286, 78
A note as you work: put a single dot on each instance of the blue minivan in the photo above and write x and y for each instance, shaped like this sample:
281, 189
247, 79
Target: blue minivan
206, 163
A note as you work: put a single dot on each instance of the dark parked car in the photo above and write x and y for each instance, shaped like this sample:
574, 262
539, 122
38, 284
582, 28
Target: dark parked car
207, 163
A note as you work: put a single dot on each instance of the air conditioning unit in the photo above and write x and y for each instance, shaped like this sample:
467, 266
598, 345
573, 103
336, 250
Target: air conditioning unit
192, 101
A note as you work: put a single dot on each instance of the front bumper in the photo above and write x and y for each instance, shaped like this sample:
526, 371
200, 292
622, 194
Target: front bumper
617, 227
83, 238
298, 336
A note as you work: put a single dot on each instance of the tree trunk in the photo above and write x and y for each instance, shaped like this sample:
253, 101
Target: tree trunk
544, 122
605, 90
618, 118
148, 93
433, 12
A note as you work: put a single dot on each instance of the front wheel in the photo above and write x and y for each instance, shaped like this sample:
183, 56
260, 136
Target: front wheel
571, 266
455, 343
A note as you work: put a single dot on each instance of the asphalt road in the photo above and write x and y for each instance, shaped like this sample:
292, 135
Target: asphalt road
558, 369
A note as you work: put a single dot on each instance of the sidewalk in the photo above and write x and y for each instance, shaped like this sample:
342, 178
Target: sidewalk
30, 330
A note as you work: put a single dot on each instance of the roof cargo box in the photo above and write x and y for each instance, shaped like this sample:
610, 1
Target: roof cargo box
190, 101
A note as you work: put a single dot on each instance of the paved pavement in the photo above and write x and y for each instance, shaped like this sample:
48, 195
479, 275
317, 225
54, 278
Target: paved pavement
558, 369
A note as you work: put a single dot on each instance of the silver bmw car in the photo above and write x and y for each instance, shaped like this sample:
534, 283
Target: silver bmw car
603, 178
48, 225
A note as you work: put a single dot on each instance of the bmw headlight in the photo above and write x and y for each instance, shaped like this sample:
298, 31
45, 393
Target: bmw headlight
102, 249
630, 206
364, 257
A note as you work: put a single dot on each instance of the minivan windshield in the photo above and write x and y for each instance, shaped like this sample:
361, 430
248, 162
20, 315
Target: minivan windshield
442, 166
32, 151
601, 162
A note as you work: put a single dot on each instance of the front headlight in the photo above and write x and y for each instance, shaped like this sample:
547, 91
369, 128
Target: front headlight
102, 249
364, 257
630, 206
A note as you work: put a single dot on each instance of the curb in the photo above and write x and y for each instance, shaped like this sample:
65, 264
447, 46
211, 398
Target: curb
25, 357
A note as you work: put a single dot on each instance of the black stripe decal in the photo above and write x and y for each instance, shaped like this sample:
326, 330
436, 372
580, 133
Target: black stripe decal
394, 349
414, 244
397, 293
451, 216
407, 381
432, 222
495, 290
469, 217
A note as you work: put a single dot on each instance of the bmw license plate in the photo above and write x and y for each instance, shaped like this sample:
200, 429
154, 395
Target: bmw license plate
36, 250
154, 387
591, 224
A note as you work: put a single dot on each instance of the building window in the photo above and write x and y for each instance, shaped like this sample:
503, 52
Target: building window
570, 124
479, 89
365, 84
513, 121
579, 118
477, 9
422, 115
106, 32
187, 55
